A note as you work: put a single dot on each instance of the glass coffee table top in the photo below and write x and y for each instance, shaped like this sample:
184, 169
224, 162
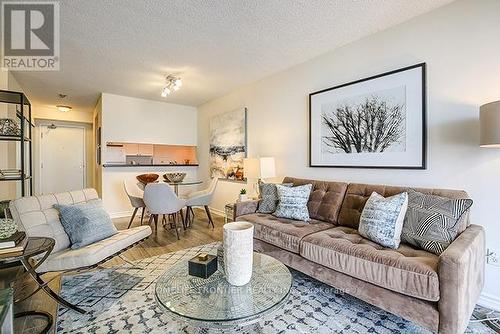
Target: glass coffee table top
214, 300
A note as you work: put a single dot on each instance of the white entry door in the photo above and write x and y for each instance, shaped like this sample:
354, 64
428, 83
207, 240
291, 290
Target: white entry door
62, 158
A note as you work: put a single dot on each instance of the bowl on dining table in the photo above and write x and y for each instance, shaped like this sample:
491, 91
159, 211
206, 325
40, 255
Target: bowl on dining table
174, 177
147, 178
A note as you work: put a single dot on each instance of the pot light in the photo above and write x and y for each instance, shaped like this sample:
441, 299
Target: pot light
173, 84
63, 108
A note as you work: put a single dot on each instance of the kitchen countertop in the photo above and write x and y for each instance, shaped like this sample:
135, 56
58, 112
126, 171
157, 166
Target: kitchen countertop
150, 165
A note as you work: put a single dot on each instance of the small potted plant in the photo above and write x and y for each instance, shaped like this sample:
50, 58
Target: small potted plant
243, 195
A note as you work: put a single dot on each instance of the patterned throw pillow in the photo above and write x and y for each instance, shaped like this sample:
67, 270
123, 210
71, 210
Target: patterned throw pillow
382, 219
269, 197
293, 202
433, 222
85, 223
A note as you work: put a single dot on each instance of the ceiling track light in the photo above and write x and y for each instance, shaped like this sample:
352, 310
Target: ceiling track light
173, 84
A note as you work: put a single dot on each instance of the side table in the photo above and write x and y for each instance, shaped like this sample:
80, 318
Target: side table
35, 246
229, 212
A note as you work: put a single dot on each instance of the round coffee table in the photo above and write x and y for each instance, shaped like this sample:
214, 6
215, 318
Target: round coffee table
213, 302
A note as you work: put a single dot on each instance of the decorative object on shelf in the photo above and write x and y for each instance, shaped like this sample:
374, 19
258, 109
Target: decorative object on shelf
228, 144
147, 178
202, 265
9, 127
7, 227
220, 258
174, 177
173, 83
10, 174
377, 122
243, 195
489, 115
187, 161
238, 252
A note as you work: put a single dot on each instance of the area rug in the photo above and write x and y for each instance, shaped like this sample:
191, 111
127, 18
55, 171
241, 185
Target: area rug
121, 300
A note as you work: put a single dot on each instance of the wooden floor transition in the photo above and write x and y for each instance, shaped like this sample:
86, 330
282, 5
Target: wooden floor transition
163, 242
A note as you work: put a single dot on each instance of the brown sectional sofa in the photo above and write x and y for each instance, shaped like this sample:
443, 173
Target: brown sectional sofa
436, 292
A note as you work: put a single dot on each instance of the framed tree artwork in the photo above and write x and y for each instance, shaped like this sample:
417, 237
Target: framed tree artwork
377, 122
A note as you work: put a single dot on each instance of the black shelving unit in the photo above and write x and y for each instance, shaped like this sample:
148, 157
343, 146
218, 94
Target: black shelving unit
23, 113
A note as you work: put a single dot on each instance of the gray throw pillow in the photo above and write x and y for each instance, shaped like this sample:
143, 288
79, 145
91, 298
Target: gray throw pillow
269, 197
433, 222
85, 223
293, 202
382, 219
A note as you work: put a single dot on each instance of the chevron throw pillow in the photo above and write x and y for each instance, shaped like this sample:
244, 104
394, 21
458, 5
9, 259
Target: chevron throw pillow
269, 197
432, 222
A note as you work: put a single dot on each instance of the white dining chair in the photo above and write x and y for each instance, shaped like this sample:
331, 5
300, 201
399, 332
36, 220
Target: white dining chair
160, 199
135, 195
201, 198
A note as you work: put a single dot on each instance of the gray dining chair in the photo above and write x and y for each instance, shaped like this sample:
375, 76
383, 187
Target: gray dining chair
160, 199
135, 195
201, 198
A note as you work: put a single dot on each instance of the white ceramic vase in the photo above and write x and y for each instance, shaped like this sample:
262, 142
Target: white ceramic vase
238, 252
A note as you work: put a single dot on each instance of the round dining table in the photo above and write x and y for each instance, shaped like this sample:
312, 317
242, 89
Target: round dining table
183, 183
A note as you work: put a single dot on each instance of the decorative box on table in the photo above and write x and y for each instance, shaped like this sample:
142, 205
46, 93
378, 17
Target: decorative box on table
202, 265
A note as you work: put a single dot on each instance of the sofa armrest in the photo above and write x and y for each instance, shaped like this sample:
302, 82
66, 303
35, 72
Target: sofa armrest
461, 279
245, 208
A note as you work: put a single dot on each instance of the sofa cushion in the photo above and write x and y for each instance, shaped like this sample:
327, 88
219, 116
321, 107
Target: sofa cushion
432, 222
37, 216
92, 254
405, 270
357, 194
293, 202
282, 232
85, 223
325, 199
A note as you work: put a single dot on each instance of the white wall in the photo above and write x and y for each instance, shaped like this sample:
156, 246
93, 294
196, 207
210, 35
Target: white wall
458, 42
127, 119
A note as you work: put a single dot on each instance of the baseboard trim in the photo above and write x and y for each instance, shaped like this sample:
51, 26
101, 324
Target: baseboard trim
121, 214
217, 212
489, 301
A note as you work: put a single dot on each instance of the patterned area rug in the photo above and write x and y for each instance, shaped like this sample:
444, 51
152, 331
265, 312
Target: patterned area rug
121, 300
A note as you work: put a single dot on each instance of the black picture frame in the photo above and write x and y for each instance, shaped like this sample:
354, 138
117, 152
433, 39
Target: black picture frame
423, 161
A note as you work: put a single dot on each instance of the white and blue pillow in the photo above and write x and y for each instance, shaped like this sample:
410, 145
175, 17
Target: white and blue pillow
382, 219
293, 202
85, 223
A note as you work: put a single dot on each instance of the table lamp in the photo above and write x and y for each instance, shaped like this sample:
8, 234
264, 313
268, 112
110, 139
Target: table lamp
258, 169
489, 116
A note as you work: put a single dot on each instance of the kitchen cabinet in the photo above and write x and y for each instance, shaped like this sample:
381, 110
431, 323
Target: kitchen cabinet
138, 149
146, 149
131, 149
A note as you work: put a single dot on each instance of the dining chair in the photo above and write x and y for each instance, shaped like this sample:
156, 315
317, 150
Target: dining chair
135, 195
201, 198
160, 199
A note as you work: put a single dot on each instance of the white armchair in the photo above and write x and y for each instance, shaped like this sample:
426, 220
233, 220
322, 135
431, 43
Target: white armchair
38, 218
160, 199
201, 198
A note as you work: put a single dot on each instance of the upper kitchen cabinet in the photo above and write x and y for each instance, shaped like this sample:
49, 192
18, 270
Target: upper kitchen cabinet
131, 149
146, 150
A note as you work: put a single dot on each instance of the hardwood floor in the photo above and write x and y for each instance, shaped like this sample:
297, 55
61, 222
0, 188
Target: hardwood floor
164, 241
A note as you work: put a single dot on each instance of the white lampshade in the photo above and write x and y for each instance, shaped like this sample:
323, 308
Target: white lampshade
489, 115
251, 168
267, 168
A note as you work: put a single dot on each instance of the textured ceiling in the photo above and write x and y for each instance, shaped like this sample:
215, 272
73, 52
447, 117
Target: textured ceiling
127, 47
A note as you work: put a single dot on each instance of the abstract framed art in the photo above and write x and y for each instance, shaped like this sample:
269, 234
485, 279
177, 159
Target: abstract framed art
377, 122
228, 144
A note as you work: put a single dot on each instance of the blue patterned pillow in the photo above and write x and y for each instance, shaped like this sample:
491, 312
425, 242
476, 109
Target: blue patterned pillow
382, 219
293, 202
85, 223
